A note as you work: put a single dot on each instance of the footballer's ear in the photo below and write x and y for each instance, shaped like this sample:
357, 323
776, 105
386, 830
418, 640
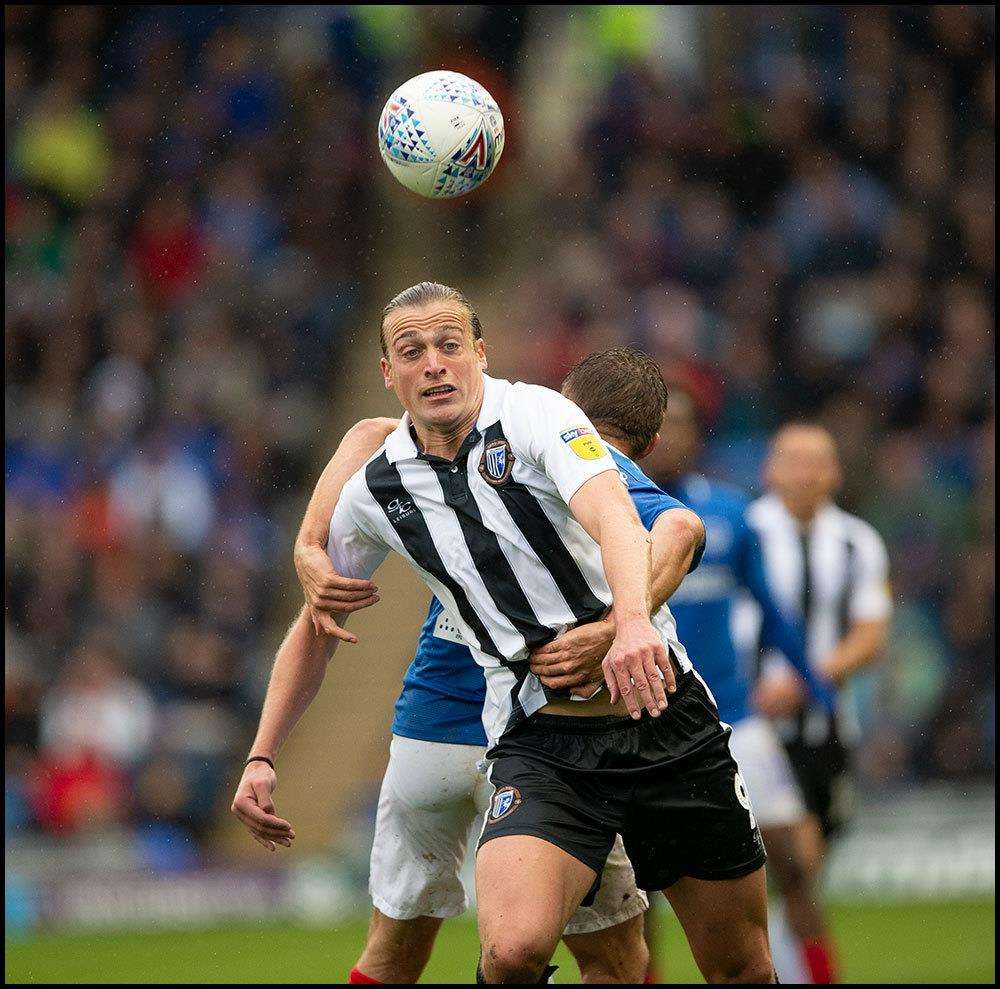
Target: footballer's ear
648, 448
386, 372
480, 348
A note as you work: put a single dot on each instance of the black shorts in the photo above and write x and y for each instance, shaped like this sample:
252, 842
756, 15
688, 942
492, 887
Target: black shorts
823, 772
667, 785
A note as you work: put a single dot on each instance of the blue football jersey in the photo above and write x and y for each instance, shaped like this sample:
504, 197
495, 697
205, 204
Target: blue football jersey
703, 605
444, 689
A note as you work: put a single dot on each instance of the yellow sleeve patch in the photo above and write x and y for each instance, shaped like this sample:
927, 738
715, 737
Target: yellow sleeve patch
588, 447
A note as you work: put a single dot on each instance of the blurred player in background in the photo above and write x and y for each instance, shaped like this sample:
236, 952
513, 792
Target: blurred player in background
433, 794
703, 606
831, 570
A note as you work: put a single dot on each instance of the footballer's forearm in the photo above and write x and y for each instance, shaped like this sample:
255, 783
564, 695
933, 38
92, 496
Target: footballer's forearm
358, 444
677, 536
602, 506
297, 675
858, 649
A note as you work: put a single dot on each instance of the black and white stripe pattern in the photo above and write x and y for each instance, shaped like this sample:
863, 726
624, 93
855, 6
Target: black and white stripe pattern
492, 535
831, 574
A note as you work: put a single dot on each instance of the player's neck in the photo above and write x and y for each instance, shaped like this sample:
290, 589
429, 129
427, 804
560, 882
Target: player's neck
445, 442
805, 515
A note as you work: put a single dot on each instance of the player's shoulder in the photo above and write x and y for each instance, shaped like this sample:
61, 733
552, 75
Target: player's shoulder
527, 411
521, 399
764, 511
629, 469
859, 531
356, 487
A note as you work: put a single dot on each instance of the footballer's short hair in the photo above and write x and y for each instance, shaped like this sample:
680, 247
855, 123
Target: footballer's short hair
622, 392
423, 293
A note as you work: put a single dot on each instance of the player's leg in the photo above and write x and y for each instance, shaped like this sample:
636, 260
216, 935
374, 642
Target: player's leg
781, 814
543, 846
692, 832
655, 969
613, 956
526, 891
396, 952
607, 938
823, 773
426, 808
795, 882
725, 922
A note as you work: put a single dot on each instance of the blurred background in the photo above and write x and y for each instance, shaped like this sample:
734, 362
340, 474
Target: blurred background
791, 207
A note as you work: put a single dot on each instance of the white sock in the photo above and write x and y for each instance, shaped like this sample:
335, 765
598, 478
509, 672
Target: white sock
786, 952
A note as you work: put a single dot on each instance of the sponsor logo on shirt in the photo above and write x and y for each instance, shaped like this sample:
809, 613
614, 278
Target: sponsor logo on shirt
445, 628
398, 510
584, 442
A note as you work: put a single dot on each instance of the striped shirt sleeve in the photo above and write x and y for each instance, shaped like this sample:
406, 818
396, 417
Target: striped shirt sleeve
553, 435
354, 552
871, 598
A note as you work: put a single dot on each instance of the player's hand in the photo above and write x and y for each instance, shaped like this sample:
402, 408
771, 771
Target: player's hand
328, 593
633, 666
254, 806
779, 694
574, 659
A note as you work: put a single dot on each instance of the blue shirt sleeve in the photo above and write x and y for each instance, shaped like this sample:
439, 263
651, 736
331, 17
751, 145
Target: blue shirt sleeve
778, 630
650, 501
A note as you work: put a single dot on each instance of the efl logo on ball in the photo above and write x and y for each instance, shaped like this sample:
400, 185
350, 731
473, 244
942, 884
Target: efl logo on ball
441, 134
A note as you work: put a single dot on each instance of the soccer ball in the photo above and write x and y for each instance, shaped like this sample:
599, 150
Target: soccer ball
441, 134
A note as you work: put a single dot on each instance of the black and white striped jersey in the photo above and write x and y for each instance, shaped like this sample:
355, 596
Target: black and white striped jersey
831, 573
491, 534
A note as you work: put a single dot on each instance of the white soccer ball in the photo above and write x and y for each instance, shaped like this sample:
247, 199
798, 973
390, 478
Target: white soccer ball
441, 134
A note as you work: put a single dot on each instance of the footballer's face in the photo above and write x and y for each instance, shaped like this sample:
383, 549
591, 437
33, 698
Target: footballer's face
803, 469
434, 365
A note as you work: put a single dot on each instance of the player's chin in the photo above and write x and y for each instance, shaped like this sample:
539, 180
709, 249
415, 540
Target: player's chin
443, 411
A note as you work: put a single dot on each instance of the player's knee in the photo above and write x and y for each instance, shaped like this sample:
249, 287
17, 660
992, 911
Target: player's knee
519, 960
752, 969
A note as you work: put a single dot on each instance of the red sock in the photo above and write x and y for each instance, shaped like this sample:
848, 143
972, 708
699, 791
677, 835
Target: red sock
358, 978
818, 952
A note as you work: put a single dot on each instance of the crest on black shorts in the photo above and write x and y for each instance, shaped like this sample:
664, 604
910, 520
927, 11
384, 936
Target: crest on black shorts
505, 801
497, 462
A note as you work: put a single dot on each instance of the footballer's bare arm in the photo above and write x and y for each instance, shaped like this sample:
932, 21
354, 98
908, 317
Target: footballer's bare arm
633, 666
297, 674
327, 592
573, 660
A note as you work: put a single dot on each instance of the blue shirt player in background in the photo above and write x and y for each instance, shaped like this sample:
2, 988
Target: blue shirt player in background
434, 795
705, 607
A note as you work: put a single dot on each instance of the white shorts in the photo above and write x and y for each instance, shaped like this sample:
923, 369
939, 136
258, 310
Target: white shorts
767, 772
432, 804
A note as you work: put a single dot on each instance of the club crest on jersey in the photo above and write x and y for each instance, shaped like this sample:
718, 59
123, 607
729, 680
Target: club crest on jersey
505, 801
497, 462
584, 443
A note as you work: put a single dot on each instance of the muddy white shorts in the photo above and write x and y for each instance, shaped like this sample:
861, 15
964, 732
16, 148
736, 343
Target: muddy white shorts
767, 772
432, 803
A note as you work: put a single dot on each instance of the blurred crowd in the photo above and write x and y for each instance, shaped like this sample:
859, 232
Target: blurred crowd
186, 190
793, 210
801, 223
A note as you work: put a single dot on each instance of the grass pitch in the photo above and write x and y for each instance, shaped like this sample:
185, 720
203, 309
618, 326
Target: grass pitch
931, 942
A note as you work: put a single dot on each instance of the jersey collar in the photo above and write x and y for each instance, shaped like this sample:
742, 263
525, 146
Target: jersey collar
399, 444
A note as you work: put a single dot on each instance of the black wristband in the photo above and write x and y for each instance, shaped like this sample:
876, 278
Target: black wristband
259, 758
